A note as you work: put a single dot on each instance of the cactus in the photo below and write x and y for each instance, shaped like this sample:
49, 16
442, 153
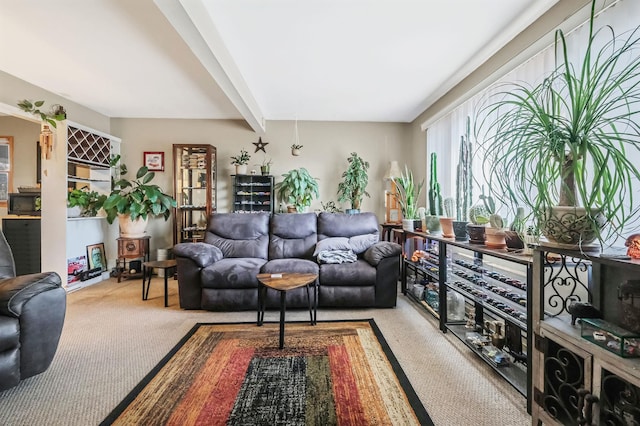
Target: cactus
449, 206
495, 220
478, 215
435, 199
464, 175
518, 222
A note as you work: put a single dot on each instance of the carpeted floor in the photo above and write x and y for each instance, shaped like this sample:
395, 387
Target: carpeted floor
112, 339
336, 372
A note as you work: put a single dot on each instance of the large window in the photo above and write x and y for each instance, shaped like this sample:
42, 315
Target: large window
443, 136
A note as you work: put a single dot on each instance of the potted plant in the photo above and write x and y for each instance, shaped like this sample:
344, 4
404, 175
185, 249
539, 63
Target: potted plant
295, 149
82, 202
297, 189
562, 147
407, 195
436, 205
446, 221
241, 161
265, 167
134, 201
354, 183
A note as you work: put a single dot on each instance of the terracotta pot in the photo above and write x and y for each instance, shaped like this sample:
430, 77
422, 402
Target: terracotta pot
132, 228
495, 238
446, 223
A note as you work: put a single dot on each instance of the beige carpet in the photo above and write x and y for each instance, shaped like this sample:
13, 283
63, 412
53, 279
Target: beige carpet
112, 339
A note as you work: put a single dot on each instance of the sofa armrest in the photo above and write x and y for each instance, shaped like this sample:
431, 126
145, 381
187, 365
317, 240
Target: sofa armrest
16, 292
381, 250
202, 254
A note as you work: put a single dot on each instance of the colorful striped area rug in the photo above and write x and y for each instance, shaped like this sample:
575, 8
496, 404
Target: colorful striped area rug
333, 373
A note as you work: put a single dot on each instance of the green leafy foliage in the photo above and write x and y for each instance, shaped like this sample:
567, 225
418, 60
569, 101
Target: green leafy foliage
241, 159
354, 181
570, 136
138, 198
88, 201
35, 109
297, 188
408, 194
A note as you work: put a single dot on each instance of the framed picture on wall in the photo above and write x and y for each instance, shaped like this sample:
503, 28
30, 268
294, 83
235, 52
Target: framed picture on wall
154, 161
96, 257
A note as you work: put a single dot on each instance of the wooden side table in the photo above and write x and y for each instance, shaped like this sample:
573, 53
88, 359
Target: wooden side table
129, 249
284, 282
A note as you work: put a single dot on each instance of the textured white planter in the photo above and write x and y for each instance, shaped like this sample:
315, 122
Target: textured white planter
132, 228
241, 169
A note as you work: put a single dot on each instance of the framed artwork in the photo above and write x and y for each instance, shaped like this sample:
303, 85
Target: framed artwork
154, 161
75, 267
96, 257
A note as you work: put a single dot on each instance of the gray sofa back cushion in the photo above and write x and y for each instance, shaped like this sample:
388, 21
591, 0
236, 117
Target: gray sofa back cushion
239, 234
346, 225
293, 235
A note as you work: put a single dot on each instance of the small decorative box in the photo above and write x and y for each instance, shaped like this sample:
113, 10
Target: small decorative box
611, 337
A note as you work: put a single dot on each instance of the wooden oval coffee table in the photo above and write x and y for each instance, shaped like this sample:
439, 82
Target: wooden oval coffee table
284, 282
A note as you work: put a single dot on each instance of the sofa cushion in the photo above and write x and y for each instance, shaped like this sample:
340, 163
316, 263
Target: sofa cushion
301, 266
360, 243
359, 273
332, 244
233, 273
346, 225
239, 235
293, 235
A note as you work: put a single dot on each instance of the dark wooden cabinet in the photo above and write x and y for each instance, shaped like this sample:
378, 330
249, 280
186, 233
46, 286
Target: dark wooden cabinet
23, 236
130, 249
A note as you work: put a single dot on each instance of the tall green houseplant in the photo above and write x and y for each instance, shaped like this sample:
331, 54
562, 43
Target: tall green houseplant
562, 147
354, 182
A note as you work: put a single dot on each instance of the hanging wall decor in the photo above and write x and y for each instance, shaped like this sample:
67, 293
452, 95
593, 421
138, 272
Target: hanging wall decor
260, 145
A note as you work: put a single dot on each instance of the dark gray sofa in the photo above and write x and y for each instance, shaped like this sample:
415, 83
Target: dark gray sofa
219, 274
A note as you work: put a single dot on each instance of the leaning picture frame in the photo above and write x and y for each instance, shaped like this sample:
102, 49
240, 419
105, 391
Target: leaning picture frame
154, 161
96, 257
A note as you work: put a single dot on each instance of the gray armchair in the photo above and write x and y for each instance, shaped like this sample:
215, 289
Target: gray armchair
32, 311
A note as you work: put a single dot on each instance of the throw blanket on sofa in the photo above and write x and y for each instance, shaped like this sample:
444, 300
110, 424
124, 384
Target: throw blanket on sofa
337, 256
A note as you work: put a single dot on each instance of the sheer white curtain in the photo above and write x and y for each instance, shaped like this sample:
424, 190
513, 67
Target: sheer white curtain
443, 136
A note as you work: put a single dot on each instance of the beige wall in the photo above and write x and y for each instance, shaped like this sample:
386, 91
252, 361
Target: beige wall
326, 148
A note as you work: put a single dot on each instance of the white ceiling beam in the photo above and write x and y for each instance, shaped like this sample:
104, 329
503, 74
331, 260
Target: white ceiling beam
191, 20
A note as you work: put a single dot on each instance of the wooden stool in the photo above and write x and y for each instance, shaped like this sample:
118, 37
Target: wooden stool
147, 271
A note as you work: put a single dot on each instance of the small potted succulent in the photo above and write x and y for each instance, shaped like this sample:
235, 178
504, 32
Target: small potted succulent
241, 161
295, 149
265, 167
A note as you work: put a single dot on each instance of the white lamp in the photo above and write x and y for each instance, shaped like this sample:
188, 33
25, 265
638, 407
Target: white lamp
394, 170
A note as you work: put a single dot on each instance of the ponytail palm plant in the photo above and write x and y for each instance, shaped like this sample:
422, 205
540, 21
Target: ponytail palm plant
408, 194
570, 140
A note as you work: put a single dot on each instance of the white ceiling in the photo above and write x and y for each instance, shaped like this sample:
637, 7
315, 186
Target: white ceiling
342, 60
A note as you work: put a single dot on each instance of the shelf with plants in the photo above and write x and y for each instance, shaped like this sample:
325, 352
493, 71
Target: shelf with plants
421, 277
195, 189
252, 193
